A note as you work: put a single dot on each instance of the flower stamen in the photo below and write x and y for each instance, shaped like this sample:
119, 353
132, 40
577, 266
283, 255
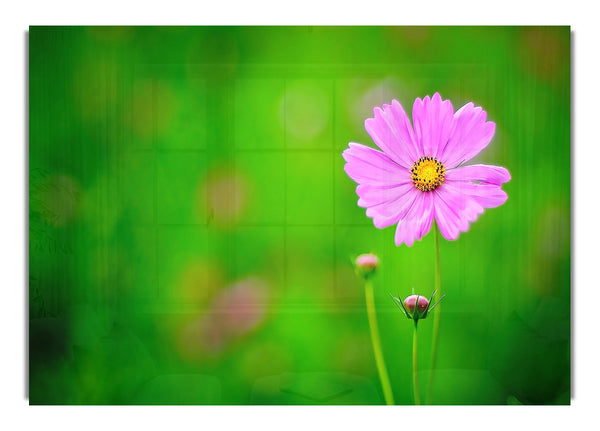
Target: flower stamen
427, 173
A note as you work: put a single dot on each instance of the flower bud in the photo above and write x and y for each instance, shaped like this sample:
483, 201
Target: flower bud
366, 264
416, 307
411, 301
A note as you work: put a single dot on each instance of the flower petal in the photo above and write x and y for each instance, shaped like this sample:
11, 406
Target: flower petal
454, 210
427, 216
388, 213
486, 195
447, 219
372, 195
473, 210
384, 187
433, 120
365, 164
392, 132
471, 134
417, 221
487, 174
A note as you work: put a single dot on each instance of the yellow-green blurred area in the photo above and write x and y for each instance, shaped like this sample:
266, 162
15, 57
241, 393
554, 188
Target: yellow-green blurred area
191, 227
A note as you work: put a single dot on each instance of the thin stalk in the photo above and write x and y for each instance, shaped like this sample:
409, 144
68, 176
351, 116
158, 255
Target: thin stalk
383, 374
436, 314
415, 379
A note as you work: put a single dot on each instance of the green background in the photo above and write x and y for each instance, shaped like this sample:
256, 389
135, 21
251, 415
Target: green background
191, 227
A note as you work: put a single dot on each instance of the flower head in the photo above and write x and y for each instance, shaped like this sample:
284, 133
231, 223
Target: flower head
418, 175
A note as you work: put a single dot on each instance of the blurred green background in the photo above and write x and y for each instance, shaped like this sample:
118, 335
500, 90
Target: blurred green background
191, 227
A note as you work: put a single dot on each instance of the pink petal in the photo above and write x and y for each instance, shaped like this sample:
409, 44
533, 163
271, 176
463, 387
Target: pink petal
433, 120
400, 124
454, 198
447, 220
427, 218
417, 221
454, 210
392, 132
388, 213
486, 195
487, 174
472, 211
371, 195
471, 134
364, 164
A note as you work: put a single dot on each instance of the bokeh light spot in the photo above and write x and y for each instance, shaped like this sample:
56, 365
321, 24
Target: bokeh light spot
153, 108
306, 110
226, 193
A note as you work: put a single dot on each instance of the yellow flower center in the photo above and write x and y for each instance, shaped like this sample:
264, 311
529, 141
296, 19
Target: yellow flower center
427, 173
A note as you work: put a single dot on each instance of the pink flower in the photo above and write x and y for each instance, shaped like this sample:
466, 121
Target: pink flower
418, 175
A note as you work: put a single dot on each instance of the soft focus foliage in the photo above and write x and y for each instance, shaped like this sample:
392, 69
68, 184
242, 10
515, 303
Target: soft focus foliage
191, 227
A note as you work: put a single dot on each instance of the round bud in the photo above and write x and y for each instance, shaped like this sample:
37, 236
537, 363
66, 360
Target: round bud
411, 301
367, 261
366, 264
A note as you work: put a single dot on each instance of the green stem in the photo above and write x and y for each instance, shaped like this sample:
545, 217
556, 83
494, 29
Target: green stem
415, 379
383, 375
436, 314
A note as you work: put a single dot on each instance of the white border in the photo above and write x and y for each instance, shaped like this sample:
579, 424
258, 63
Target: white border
586, 76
